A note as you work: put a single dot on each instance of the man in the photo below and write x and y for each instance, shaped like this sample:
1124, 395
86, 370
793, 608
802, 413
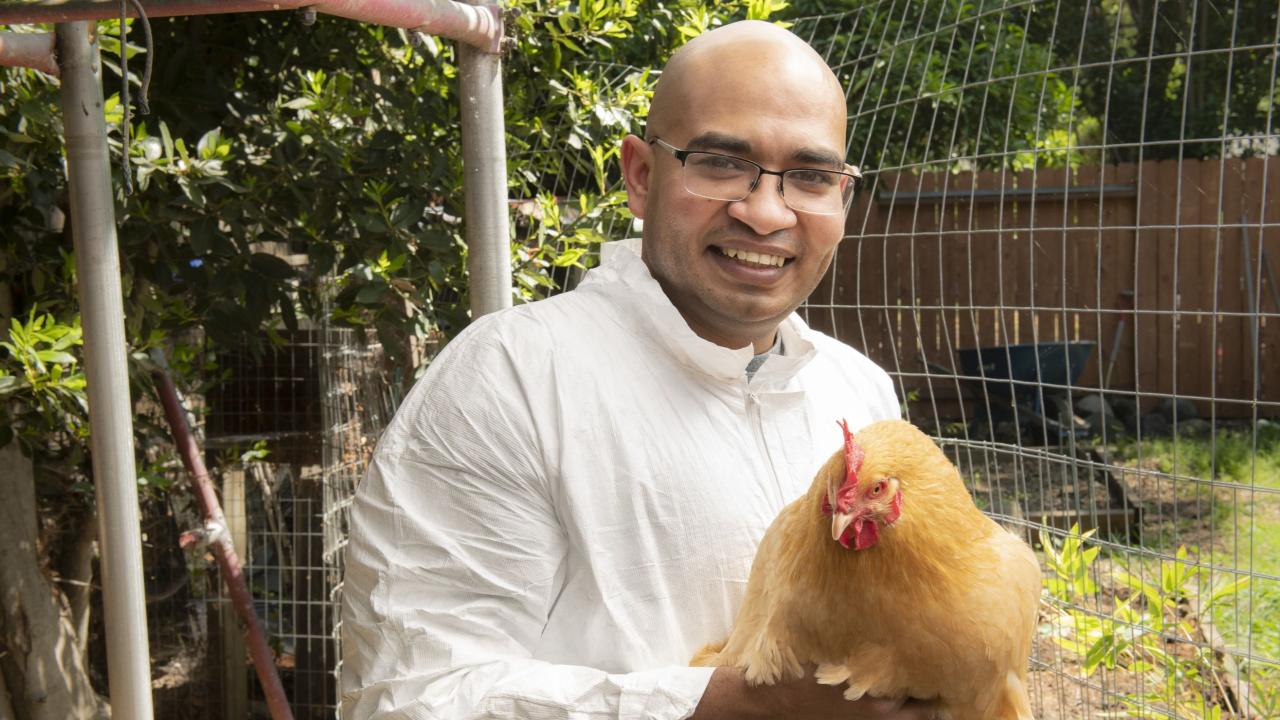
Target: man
566, 506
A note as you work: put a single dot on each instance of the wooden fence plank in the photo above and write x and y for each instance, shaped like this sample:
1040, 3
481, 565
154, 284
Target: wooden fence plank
1208, 279
1270, 331
1118, 239
1016, 238
1187, 325
1232, 338
918, 221
1083, 291
985, 326
1255, 173
1169, 175
1146, 291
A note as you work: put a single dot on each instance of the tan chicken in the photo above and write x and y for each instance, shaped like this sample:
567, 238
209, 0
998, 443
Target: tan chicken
886, 576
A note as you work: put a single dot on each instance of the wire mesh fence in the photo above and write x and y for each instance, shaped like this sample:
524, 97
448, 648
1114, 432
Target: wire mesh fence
290, 431
1066, 259
265, 425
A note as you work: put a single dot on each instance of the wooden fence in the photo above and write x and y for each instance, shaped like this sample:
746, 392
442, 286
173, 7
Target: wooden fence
1170, 267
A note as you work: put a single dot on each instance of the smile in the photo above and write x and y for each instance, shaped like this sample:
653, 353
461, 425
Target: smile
753, 258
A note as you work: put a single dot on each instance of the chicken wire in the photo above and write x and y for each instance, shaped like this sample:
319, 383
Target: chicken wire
1066, 258
291, 430
359, 402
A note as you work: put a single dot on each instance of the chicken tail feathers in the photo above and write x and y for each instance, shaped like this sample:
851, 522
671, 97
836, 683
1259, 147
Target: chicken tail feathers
708, 656
1014, 703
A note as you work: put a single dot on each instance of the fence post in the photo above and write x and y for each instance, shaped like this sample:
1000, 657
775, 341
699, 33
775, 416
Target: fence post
93, 232
235, 672
484, 167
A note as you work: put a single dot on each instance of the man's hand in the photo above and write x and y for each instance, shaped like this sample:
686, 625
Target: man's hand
728, 697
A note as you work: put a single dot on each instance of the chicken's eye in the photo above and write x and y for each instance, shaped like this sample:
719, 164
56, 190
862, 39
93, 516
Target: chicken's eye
877, 489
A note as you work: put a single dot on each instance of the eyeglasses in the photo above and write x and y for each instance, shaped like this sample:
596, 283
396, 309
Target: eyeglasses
716, 176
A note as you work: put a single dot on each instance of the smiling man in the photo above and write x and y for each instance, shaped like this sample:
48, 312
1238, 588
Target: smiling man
735, 249
566, 506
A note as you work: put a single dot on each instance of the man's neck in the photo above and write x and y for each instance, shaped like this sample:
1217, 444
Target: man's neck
766, 344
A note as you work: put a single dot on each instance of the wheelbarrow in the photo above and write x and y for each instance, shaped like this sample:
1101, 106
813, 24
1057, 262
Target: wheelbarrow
1021, 393
1023, 389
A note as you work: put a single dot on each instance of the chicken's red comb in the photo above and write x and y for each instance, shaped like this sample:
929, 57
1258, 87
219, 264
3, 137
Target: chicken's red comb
852, 455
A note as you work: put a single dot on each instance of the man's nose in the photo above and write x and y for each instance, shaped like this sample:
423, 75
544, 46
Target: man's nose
764, 210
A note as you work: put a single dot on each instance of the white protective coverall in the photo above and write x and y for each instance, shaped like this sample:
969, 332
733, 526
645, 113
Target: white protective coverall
567, 504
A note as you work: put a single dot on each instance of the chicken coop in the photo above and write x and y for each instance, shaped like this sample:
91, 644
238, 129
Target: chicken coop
291, 430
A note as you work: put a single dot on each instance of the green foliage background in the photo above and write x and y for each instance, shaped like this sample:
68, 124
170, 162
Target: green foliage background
341, 141
338, 140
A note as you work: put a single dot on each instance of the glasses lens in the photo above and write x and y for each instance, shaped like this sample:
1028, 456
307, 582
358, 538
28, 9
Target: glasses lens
718, 177
817, 191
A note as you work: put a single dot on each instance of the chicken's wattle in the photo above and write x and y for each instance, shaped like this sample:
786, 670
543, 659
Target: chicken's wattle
865, 533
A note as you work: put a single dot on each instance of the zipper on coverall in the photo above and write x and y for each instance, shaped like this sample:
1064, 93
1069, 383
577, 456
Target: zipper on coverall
755, 417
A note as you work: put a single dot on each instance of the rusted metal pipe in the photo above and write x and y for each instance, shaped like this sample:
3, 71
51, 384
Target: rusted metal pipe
477, 25
56, 11
264, 663
32, 50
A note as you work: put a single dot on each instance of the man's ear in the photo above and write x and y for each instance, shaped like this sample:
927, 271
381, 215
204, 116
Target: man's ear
637, 161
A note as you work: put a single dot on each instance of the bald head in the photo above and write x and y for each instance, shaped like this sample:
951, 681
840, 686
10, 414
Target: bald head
743, 59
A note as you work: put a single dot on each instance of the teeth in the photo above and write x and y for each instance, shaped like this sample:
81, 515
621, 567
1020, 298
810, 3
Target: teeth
754, 257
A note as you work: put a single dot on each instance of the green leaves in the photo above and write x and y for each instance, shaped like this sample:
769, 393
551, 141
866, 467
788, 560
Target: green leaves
42, 389
1070, 562
1151, 623
338, 146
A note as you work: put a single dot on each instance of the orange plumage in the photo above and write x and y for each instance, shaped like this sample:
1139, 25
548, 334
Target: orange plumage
886, 576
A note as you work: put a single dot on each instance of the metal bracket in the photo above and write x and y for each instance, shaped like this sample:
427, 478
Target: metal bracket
509, 42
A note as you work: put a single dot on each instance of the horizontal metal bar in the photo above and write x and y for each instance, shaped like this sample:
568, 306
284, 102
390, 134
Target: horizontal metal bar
987, 194
32, 50
476, 25
56, 11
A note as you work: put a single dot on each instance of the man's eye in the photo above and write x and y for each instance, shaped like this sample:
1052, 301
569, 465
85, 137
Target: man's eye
811, 178
716, 163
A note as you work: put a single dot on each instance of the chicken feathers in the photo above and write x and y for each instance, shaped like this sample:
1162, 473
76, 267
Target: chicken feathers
889, 580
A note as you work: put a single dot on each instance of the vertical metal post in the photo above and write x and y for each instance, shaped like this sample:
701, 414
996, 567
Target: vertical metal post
110, 410
484, 166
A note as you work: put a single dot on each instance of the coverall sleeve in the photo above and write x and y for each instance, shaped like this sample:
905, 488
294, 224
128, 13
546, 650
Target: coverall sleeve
455, 560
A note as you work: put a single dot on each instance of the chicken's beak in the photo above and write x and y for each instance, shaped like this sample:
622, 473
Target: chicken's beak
841, 522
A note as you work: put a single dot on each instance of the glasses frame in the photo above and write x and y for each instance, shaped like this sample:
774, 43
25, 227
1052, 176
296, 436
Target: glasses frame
850, 171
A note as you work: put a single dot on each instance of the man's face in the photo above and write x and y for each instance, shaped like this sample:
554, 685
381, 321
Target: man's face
690, 242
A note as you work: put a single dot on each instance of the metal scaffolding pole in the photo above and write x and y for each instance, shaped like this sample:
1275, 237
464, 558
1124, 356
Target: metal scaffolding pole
93, 231
479, 25
484, 166
33, 50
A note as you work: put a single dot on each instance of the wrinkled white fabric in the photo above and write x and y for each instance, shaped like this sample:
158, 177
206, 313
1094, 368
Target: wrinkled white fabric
566, 506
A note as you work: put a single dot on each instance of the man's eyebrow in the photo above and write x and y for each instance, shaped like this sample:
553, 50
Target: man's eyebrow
720, 142
818, 156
